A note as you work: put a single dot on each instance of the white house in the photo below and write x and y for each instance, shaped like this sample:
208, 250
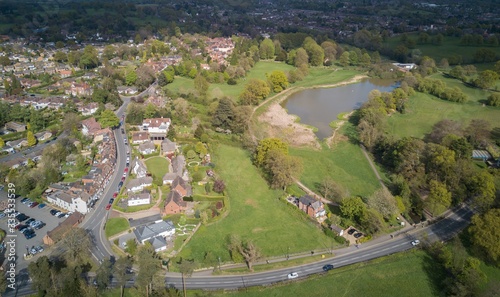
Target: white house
70, 201
138, 184
147, 148
156, 127
139, 199
139, 168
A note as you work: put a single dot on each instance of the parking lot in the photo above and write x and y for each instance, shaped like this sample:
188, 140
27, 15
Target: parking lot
22, 244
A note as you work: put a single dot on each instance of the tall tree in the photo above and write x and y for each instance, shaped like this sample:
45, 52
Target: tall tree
201, 85
278, 81
121, 271
439, 198
224, 114
149, 265
255, 91
104, 274
384, 203
353, 207
484, 232
333, 191
30, 137
267, 145
108, 118
77, 244
42, 275
282, 168
266, 49
482, 190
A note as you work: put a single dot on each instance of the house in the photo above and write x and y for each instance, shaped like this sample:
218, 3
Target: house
179, 165
158, 243
64, 73
15, 127
169, 177
338, 230
88, 109
139, 168
139, 199
41, 136
70, 200
124, 90
156, 127
159, 228
90, 126
174, 203
168, 147
138, 184
311, 206
63, 228
147, 148
17, 143
180, 186
139, 137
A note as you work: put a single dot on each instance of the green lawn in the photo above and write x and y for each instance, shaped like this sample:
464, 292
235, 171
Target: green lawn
451, 46
404, 274
476, 95
116, 225
344, 163
255, 213
424, 110
158, 166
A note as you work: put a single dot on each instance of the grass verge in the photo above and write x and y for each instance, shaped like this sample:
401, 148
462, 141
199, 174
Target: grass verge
116, 225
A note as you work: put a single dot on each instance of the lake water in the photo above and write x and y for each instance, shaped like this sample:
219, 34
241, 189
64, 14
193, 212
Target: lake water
319, 107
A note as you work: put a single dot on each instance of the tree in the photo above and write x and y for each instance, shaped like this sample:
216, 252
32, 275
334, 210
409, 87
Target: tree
255, 91
130, 77
383, 202
482, 190
278, 81
89, 58
145, 76
486, 79
181, 109
131, 246
186, 267
78, 245
365, 59
149, 265
104, 274
42, 275
5, 61
439, 198
121, 271
494, 99
30, 137
332, 190
484, 232
108, 118
247, 249
201, 85
478, 132
281, 168
2, 143
265, 146
224, 114
300, 58
219, 186
352, 207
266, 49
458, 72
60, 56
344, 59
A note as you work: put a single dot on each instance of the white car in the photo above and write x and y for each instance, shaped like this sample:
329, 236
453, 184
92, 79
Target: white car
415, 242
293, 275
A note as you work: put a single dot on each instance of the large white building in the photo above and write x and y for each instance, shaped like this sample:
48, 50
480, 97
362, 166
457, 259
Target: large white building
139, 199
70, 201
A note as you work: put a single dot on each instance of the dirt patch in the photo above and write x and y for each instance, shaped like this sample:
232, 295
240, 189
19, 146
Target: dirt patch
256, 230
284, 126
251, 202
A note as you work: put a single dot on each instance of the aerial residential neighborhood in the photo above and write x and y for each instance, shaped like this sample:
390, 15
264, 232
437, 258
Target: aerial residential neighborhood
267, 148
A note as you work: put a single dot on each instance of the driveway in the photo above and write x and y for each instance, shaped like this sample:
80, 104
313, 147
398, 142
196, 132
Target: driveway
21, 241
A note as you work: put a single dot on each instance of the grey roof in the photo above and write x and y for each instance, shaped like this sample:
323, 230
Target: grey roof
144, 221
336, 228
147, 145
178, 164
158, 242
153, 230
170, 176
168, 146
139, 181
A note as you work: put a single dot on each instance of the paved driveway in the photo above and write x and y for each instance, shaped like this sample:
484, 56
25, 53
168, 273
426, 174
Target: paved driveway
21, 241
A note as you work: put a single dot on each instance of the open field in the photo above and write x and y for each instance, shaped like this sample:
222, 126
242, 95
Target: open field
424, 110
344, 163
451, 46
158, 166
116, 225
476, 95
404, 274
255, 213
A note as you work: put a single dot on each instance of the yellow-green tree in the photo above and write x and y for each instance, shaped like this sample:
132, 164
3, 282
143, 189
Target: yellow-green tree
439, 198
30, 137
278, 81
266, 145
2, 143
484, 232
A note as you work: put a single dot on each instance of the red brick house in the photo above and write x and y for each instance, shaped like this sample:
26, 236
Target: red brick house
181, 186
174, 203
58, 232
311, 206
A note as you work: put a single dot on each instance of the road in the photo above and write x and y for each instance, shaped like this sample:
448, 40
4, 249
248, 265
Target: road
30, 152
441, 230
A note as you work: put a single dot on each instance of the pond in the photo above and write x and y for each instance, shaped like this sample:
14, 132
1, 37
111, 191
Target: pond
319, 107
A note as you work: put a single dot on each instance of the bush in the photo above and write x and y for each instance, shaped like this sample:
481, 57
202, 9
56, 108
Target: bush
231, 82
494, 100
339, 239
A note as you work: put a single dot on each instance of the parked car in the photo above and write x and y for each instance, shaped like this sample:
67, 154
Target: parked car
53, 212
41, 205
2, 215
28, 222
293, 275
111, 200
22, 228
39, 226
415, 242
358, 235
61, 215
39, 249
29, 235
108, 206
33, 204
328, 267
123, 178
351, 231
24, 200
22, 217
126, 169
115, 194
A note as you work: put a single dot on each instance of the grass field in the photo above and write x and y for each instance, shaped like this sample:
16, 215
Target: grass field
158, 166
116, 225
344, 163
424, 110
255, 213
451, 46
404, 274
476, 95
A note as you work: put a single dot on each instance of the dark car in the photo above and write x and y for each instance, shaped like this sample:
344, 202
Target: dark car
41, 205
61, 215
29, 221
22, 217
39, 226
29, 235
53, 212
351, 231
328, 267
25, 230
111, 200
33, 204
20, 226
358, 235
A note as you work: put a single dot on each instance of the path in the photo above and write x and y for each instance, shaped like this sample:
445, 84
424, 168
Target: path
154, 210
311, 193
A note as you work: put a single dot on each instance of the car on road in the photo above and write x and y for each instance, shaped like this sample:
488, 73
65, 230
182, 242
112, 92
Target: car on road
115, 194
108, 206
328, 267
111, 200
351, 231
123, 178
126, 169
31, 205
415, 242
123, 131
293, 275
358, 235
41, 205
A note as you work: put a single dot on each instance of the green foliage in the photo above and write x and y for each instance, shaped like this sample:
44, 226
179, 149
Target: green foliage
484, 232
131, 246
108, 118
439, 198
267, 145
278, 81
30, 137
486, 79
494, 100
255, 91
352, 207
266, 49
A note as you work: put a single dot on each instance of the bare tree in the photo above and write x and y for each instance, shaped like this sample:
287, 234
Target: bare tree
333, 191
249, 251
77, 243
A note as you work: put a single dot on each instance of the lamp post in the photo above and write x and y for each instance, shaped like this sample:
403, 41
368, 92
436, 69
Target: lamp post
219, 263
